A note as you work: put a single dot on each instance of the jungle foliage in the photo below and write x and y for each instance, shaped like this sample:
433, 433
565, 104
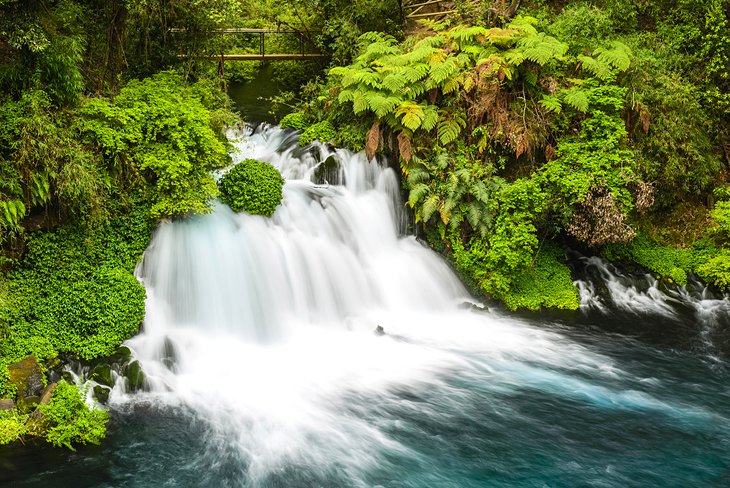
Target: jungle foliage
581, 123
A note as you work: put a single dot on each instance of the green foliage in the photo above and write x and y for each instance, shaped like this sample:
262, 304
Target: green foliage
252, 186
295, 120
74, 291
321, 131
12, 427
69, 420
717, 270
721, 214
163, 130
547, 283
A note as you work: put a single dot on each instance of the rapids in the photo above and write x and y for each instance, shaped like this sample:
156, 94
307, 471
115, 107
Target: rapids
264, 370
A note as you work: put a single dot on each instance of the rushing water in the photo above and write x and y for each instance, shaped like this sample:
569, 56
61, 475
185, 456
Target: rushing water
264, 370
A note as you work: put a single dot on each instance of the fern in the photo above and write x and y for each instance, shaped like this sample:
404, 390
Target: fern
449, 130
430, 205
576, 98
551, 103
382, 105
618, 55
411, 114
599, 69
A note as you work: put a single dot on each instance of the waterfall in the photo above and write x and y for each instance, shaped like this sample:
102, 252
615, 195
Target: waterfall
262, 331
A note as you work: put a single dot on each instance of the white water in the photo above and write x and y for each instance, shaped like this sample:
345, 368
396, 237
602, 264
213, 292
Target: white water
271, 322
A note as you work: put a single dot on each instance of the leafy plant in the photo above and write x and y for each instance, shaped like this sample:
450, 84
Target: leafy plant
69, 420
252, 186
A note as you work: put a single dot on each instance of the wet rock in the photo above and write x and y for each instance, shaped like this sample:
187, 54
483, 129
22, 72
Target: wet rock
328, 172
27, 377
101, 393
169, 354
102, 374
6, 405
135, 376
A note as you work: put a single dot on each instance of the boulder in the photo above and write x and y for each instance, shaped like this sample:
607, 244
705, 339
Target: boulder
135, 376
6, 405
102, 374
328, 172
101, 393
27, 377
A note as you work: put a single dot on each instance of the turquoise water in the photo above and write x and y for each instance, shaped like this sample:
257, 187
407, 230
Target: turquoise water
661, 421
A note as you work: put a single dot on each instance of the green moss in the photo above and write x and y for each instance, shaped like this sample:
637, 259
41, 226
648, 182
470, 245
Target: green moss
547, 284
321, 131
673, 264
252, 186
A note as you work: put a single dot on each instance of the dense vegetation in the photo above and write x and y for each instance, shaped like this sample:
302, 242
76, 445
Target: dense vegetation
252, 186
586, 124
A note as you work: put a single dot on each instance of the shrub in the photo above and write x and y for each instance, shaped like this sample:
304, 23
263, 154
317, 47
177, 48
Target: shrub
321, 131
12, 427
546, 284
252, 186
294, 120
70, 421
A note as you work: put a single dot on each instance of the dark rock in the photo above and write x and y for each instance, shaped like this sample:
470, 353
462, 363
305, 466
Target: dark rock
328, 172
379, 331
27, 377
6, 405
169, 355
101, 393
135, 376
102, 374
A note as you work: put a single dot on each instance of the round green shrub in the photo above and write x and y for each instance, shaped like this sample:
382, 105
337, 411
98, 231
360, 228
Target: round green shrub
252, 186
294, 120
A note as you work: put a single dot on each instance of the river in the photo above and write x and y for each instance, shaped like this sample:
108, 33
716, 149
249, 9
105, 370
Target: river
264, 369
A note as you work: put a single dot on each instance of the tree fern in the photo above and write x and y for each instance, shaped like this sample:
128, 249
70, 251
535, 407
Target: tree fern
551, 103
577, 98
618, 55
429, 207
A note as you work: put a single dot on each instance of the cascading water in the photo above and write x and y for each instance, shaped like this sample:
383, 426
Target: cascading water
264, 370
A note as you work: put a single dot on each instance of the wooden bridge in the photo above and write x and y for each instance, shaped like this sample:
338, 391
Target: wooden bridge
304, 53
430, 9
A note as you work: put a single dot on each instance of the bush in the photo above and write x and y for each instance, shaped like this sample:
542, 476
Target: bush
70, 421
12, 427
252, 186
74, 291
294, 120
321, 131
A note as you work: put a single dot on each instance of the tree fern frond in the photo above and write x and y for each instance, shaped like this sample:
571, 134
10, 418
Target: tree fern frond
551, 103
576, 98
417, 193
618, 55
599, 69
429, 207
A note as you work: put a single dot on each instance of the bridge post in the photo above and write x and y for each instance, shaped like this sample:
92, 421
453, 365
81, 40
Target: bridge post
222, 71
261, 44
